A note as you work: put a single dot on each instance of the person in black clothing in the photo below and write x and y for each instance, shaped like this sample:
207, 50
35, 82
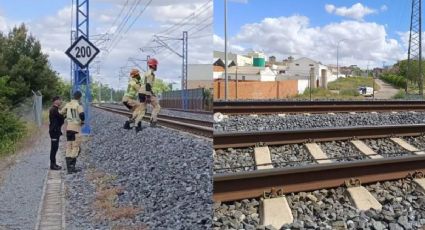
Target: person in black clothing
56, 121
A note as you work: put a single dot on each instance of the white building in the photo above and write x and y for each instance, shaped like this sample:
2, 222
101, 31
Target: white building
240, 60
301, 68
246, 73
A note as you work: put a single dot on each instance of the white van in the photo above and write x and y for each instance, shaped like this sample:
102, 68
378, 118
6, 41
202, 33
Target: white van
366, 91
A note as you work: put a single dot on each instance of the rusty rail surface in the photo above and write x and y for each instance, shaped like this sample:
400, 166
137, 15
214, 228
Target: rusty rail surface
247, 139
198, 127
245, 185
270, 107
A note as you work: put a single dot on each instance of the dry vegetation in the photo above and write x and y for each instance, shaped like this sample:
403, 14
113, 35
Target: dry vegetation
106, 201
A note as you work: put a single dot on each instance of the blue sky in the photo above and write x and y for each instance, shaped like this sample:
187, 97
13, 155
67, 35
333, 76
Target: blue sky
340, 20
397, 15
50, 22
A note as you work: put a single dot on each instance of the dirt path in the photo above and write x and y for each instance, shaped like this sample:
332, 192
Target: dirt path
386, 91
23, 181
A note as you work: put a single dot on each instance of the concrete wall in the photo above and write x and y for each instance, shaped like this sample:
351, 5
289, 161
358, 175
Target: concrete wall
194, 84
256, 89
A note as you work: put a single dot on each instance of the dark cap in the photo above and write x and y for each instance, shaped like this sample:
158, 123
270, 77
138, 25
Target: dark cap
77, 95
55, 98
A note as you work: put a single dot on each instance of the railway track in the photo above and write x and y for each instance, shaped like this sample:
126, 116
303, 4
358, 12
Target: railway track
198, 127
270, 107
253, 184
246, 139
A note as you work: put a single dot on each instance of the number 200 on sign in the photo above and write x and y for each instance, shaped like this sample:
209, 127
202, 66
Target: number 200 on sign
83, 52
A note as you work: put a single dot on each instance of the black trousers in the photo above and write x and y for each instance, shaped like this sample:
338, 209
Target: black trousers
54, 149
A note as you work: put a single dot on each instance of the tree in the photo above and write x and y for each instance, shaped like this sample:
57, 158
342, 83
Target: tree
413, 74
160, 86
23, 67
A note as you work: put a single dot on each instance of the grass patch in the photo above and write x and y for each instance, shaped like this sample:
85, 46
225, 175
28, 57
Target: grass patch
400, 95
352, 83
321, 93
106, 199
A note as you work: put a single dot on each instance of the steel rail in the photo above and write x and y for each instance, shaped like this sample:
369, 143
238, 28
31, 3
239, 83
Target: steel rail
174, 118
270, 107
198, 127
247, 139
245, 185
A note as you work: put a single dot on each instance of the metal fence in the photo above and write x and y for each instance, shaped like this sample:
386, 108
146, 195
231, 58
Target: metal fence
197, 99
38, 108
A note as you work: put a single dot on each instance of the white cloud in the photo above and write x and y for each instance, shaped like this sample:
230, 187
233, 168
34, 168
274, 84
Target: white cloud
384, 8
3, 24
53, 31
219, 45
285, 36
356, 11
330, 8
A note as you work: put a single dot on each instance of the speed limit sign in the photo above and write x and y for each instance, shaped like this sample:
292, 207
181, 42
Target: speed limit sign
82, 52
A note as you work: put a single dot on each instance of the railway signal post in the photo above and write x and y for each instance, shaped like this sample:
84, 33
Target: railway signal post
82, 52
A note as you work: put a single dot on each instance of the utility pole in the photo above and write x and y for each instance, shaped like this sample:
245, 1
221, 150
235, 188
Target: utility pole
226, 79
100, 92
111, 94
415, 45
81, 77
337, 58
184, 55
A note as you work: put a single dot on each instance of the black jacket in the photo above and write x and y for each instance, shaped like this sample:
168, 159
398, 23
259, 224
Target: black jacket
56, 121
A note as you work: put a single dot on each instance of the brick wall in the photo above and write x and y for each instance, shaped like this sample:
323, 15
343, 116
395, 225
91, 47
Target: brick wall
256, 89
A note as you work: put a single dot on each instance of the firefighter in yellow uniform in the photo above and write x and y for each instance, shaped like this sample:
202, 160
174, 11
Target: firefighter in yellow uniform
146, 94
74, 113
131, 102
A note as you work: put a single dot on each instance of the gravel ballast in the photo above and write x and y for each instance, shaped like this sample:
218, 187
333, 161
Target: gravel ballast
403, 208
341, 151
386, 148
165, 174
418, 142
297, 121
234, 160
290, 156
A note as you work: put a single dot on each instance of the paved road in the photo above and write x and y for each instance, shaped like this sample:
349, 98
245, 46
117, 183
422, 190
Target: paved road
386, 91
21, 190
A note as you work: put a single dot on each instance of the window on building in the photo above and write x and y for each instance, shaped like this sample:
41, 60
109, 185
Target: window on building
311, 65
297, 64
243, 78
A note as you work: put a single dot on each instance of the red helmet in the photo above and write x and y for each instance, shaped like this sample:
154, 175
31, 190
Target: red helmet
153, 63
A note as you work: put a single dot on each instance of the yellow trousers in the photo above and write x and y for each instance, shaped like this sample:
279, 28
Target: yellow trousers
136, 108
153, 100
73, 142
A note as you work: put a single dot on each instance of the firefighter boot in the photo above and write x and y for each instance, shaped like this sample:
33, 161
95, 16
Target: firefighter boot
139, 127
73, 163
68, 165
153, 124
127, 125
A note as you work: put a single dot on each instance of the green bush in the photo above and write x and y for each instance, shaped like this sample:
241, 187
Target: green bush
11, 130
400, 95
395, 80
